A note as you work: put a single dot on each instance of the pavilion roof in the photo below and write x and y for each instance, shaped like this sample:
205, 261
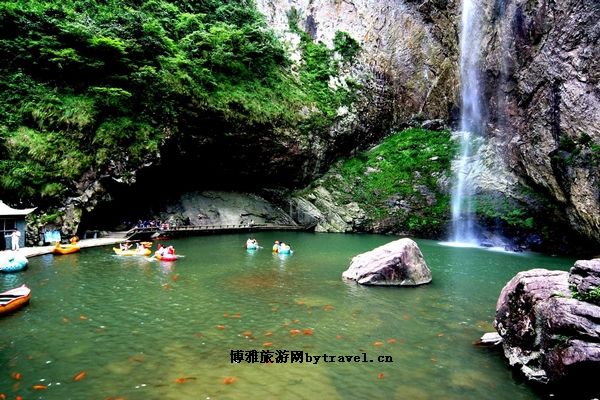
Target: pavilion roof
9, 211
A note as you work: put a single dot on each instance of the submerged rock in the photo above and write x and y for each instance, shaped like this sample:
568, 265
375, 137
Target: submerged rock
399, 263
548, 333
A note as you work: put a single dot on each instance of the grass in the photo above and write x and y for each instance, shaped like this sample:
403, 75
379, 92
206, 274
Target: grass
398, 181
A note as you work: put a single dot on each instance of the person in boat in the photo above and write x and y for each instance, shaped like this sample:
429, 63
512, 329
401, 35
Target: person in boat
283, 247
124, 246
74, 240
140, 248
249, 243
171, 250
276, 246
161, 250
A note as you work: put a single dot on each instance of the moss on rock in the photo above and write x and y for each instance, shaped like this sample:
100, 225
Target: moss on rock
399, 186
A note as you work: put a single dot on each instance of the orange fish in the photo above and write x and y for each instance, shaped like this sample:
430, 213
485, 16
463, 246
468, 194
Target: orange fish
2, 396
296, 321
274, 309
19, 398
167, 286
79, 376
175, 277
339, 337
294, 332
391, 341
221, 327
433, 359
17, 376
247, 333
328, 307
268, 344
377, 344
182, 380
226, 314
236, 315
440, 334
199, 334
65, 320
307, 331
380, 375
82, 317
269, 334
228, 380
39, 387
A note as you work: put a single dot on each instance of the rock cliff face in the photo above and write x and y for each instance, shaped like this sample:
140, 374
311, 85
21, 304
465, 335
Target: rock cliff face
539, 68
404, 73
411, 46
541, 92
222, 208
542, 77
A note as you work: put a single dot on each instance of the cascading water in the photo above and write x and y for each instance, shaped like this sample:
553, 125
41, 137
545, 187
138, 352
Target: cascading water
470, 122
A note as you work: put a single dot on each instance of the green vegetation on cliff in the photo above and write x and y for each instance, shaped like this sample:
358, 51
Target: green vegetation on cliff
94, 87
592, 296
401, 184
510, 212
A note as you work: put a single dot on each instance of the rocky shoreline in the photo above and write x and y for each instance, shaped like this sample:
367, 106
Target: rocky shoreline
550, 325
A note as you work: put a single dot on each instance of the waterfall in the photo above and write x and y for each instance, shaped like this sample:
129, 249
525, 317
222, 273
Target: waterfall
471, 122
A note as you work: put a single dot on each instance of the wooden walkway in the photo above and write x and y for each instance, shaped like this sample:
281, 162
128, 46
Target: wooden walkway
147, 233
190, 230
83, 243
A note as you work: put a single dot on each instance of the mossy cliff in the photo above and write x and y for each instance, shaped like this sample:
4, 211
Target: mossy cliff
101, 95
402, 186
399, 186
105, 99
539, 79
110, 105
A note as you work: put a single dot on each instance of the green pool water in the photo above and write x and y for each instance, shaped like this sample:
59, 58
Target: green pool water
144, 329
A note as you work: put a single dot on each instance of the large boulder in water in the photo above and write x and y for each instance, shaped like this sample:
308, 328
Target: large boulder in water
399, 263
549, 331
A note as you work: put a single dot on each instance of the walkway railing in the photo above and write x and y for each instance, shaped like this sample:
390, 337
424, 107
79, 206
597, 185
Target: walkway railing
138, 232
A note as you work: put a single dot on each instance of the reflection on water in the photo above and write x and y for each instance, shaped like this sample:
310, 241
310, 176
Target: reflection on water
145, 329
